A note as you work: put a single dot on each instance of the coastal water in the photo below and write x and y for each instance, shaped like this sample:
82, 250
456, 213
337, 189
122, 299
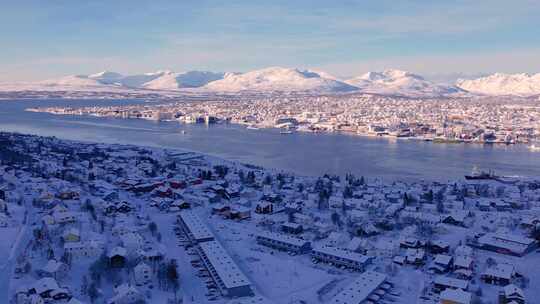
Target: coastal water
302, 153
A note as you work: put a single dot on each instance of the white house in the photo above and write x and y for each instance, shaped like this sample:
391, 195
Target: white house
84, 249
53, 269
143, 274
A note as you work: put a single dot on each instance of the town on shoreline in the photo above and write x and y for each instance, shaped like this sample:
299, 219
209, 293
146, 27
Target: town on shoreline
105, 223
486, 120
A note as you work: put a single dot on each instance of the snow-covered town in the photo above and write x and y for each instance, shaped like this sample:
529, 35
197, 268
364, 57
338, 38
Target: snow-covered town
270, 152
104, 223
505, 120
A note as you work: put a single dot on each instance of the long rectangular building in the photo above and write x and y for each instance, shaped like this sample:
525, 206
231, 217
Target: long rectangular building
224, 271
283, 242
341, 257
369, 286
507, 243
194, 227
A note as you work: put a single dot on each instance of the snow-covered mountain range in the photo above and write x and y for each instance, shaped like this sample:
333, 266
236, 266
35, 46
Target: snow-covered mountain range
396, 82
279, 79
503, 84
160, 80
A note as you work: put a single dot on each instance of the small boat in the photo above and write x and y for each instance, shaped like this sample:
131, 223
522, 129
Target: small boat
285, 132
251, 127
183, 132
479, 175
534, 148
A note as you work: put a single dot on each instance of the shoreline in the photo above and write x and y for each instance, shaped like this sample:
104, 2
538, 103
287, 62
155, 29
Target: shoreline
263, 126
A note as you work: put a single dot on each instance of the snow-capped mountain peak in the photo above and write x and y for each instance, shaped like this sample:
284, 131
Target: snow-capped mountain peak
279, 79
71, 81
398, 82
283, 79
392, 73
192, 79
160, 80
371, 76
521, 84
105, 75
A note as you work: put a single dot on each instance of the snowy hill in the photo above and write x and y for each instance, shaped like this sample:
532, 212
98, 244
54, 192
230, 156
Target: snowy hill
172, 81
138, 80
160, 80
279, 79
106, 77
396, 82
503, 84
70, 81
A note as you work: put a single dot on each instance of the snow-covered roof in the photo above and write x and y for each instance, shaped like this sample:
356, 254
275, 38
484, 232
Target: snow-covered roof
73, 231
52, 266
195, 225
443, 259
440, 243
514, 243
342, 253
415, 253
514, 238
513, 291
45, 284
360, 289
457, 296
505, 271
225, 267
291, 225
120, 251
355, 244
463, 261
241, 209
283, 238
451, 282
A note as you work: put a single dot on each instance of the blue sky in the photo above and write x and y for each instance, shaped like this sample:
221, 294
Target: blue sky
45, 39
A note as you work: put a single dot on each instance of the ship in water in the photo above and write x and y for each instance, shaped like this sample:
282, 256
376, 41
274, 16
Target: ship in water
476, 174
252, 127
286, 130
535, 147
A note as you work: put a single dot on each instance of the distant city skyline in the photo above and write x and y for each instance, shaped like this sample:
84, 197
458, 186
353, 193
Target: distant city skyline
440, 40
